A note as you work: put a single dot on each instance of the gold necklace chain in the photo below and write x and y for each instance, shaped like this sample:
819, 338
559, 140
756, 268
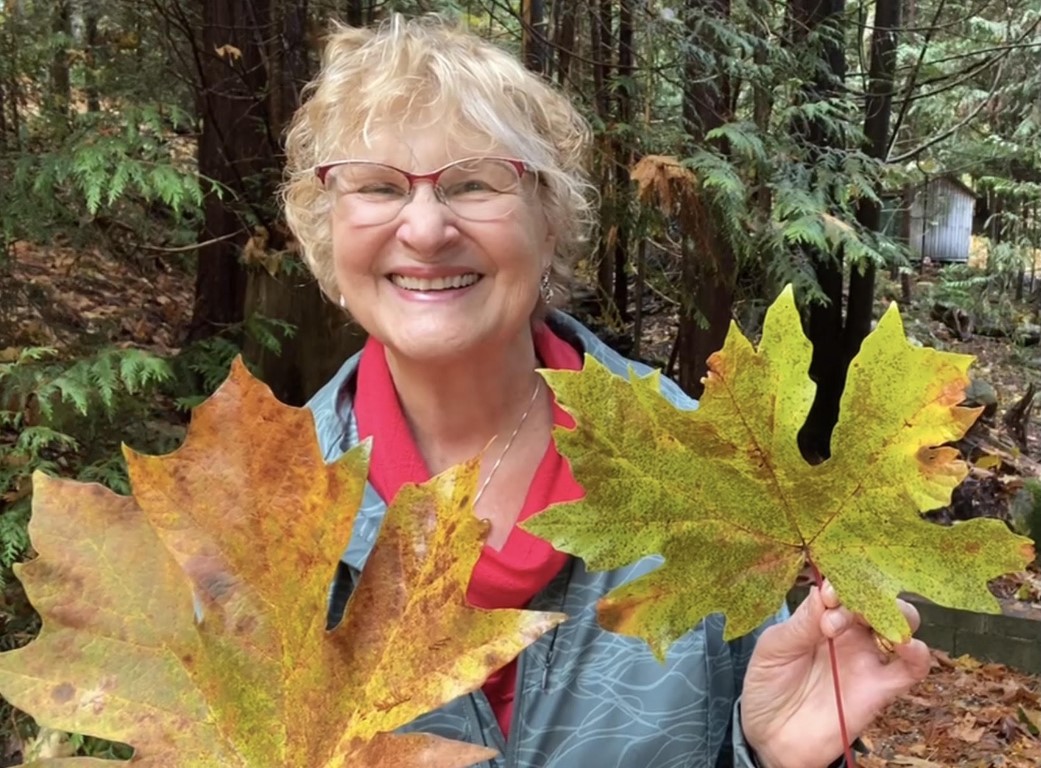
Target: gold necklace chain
509, 443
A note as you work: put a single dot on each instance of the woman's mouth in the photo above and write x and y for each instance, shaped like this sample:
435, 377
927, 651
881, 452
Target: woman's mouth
434, 283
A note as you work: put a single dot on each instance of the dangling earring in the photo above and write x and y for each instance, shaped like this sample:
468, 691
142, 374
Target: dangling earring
546, 287
343, 302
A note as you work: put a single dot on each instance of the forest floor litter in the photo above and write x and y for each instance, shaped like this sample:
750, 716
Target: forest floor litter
966, 713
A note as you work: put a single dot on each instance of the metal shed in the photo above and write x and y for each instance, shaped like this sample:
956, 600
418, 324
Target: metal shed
940, 222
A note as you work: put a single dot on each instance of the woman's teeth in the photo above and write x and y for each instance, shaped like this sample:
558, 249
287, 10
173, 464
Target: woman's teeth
434, 284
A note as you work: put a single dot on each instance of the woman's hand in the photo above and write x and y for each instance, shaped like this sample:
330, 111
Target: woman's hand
788, 710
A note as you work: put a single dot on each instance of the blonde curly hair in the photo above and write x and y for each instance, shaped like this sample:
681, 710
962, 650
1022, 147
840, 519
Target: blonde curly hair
406, 70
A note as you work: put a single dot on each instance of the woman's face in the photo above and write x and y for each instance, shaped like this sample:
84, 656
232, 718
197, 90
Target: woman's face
393, 275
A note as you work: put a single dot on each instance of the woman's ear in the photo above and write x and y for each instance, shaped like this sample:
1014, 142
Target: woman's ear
549, 249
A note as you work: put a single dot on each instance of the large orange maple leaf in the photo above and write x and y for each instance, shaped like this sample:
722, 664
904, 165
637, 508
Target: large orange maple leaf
189, 619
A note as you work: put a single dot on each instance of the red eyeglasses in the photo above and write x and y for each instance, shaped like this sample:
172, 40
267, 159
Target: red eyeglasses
476, 188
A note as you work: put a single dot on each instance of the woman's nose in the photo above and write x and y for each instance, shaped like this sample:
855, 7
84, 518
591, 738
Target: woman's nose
426, 224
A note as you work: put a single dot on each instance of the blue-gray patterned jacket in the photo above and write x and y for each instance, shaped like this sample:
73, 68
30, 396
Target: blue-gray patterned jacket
585, 698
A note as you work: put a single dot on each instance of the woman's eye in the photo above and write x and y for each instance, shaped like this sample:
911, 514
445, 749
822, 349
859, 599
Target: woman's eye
380, 189
470, 186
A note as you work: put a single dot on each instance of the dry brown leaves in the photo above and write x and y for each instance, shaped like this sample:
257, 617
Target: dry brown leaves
60, 297
967, 714
663, 180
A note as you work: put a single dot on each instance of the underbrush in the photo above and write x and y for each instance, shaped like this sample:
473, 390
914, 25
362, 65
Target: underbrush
996, 297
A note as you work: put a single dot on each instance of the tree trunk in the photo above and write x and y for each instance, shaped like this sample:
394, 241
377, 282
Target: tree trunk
324, 338
60, 91
356, 13
565, 42
824, 327
878, 109
624, 155
11, 85
533, 35
709, 264
762, 106
638, 291
702, 328
1035, 245
235, 152
3, 111
601, 37
90, 26
767, 283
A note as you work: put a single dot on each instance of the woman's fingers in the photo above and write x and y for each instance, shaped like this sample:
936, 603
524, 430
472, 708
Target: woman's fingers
837, 619
829, 596
916, 657
911, 614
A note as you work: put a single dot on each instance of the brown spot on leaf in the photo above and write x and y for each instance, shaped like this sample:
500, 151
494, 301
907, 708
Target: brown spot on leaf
245, 625
63, 693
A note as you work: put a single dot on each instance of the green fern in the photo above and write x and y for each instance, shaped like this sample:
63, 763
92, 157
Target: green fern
111, 165
14, 537
110, 472
742, 139
35, 440
805, 230
269, 331
210, 359
97, 381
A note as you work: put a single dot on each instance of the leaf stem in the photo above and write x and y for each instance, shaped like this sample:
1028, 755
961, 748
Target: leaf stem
847, 751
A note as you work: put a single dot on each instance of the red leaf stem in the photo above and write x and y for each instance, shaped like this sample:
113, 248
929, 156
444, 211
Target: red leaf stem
847, 751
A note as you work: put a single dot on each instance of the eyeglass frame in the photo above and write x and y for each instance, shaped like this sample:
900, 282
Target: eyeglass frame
521, 167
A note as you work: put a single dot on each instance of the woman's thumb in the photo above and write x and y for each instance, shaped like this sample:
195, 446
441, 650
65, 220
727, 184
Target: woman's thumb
799, 634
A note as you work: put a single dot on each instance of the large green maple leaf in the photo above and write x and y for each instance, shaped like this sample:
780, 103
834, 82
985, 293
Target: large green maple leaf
723, 493
189, 619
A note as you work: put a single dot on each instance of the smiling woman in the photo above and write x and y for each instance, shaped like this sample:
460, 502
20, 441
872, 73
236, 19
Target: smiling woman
432, 78
438, 192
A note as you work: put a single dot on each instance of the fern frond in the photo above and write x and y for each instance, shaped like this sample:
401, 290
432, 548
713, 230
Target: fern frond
110, 472
34, 440
103, 374
70, 387
14, 534
139, 370
742, 138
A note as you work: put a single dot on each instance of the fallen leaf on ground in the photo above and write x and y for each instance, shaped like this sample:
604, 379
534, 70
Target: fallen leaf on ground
967, 731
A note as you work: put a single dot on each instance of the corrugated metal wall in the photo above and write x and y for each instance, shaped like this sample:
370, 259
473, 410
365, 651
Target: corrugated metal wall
941, 221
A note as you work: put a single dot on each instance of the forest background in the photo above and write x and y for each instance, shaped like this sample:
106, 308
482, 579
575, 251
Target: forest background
740, 145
